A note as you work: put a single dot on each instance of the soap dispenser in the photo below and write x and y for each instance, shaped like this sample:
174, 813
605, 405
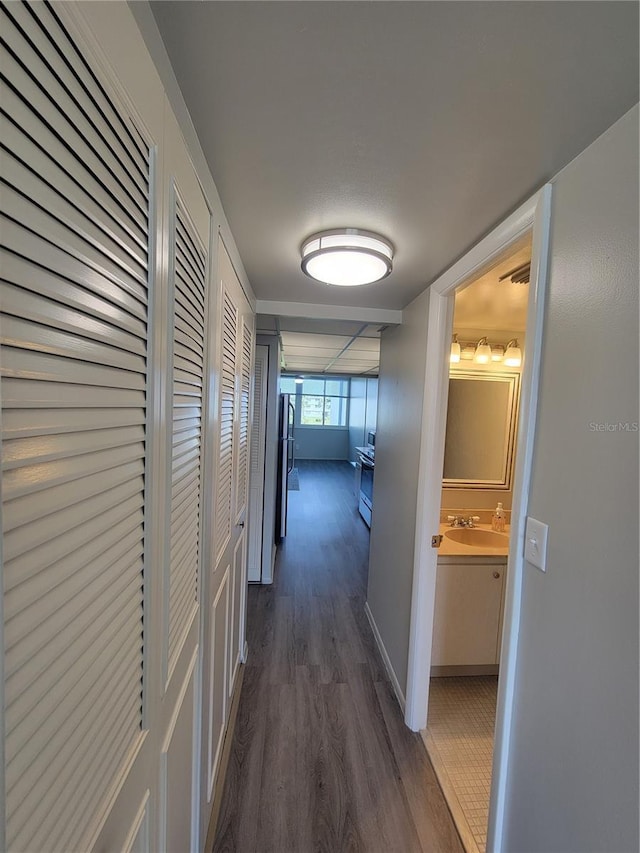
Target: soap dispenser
497, 522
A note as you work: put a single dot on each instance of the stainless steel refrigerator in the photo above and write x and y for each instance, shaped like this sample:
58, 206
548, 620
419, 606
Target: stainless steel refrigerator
286, 461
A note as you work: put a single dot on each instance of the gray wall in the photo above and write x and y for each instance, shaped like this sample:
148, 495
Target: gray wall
322, 443
395, 485
573, 783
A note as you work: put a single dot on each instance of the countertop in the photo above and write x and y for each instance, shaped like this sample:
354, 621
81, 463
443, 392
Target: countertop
366, 451
449, 548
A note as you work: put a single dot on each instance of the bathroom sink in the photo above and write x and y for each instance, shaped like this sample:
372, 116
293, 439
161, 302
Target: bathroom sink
478, 537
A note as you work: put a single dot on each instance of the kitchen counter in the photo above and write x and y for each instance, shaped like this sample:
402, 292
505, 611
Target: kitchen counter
449, 548
366, 451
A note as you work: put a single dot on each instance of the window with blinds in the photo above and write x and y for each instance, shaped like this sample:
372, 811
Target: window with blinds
226, 418
243, 432
189, 281
75, 181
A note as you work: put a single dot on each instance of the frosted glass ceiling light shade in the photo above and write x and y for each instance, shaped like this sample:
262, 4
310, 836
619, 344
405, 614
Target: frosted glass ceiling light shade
347, 257
483, 352
513, 354
454, 358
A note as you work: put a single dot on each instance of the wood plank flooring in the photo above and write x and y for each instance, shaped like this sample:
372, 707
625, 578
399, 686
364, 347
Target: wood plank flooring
321, 761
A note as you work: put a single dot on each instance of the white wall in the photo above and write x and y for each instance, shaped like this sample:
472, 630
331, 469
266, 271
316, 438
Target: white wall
400, 390
573, 778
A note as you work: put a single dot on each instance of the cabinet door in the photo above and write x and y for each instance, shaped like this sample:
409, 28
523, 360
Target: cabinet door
467, 614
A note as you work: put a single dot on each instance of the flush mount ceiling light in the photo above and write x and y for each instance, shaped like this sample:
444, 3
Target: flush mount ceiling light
347, 257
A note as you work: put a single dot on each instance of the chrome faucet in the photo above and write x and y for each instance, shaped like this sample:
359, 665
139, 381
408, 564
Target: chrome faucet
461, 521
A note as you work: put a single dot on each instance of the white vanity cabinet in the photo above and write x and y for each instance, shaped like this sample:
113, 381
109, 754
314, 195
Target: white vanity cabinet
468, 612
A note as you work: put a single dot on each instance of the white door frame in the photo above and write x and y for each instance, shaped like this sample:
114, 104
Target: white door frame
532, 215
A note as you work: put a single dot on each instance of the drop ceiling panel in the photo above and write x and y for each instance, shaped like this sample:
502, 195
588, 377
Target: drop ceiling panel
319, 363
314, 341
320, 352
358, 361
364, 345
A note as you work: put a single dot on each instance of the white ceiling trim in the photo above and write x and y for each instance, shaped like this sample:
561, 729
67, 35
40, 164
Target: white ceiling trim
385, 316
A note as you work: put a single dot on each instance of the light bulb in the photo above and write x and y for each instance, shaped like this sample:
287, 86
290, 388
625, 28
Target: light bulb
483, 352
454, 357
513, 354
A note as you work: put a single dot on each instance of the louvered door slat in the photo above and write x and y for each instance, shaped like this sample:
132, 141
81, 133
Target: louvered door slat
37, 35
191, 299
28, 278
186, 345
117, 624
31, 48
52, 734
51, 421
226, 418
80, 794
22, 511
47, 528
29, 94
17, 301
63, 232
74, 277
186, 440
98, 205
133, 146
190, 255
190, 268
43, 395
78, 215
243, 431
86, 271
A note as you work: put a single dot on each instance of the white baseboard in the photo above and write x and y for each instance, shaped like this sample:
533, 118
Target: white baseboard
385, 657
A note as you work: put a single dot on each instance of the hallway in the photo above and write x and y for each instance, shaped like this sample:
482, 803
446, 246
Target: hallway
321, 759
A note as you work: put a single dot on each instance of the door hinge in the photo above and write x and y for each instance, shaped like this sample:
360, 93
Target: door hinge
436, 541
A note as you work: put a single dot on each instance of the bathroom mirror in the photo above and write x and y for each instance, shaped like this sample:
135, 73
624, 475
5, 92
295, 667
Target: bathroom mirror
481, 429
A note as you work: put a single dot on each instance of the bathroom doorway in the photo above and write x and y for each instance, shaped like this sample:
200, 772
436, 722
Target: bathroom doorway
531, 219
488, 344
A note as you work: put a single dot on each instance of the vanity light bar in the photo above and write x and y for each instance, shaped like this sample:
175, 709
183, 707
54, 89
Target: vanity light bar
468, 351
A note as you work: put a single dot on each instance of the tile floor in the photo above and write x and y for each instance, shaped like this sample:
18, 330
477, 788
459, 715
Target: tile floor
462, 713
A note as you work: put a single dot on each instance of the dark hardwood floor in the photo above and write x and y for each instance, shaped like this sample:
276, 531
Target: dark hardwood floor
321, 759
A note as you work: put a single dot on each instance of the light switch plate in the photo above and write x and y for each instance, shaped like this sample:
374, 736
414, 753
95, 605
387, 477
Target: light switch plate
535, 543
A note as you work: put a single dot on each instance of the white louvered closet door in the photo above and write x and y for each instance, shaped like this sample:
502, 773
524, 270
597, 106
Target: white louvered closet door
227, 589
76, 184
188, 306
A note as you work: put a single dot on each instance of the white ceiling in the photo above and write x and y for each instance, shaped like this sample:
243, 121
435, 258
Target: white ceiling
425, 121
490, 305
